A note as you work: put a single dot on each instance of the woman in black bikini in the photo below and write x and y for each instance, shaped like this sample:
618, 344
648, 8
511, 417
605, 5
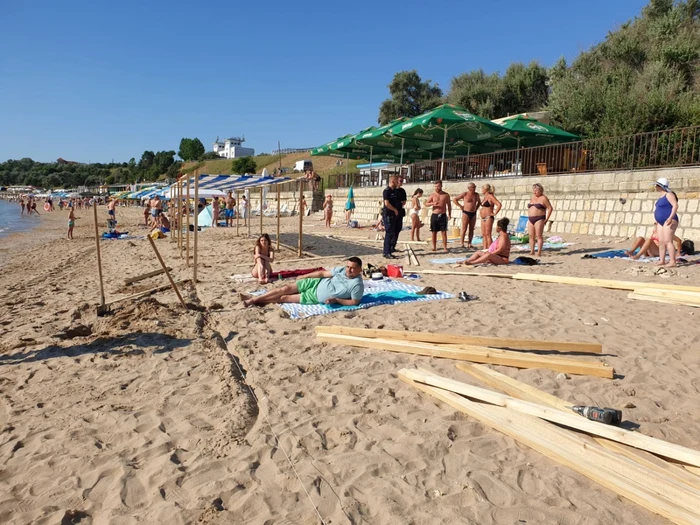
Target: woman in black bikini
539, 210
490, 206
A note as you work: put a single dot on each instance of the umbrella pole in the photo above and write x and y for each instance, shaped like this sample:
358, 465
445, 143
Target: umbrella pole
402, 143
196, 220
238, 215
444, 144
187, 224
178, 214
469, 150
278, 217
518, 157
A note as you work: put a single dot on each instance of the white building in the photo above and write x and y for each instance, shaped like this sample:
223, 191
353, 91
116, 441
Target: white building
232, 148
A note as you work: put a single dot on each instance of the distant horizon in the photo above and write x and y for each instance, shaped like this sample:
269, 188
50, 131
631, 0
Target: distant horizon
92, 82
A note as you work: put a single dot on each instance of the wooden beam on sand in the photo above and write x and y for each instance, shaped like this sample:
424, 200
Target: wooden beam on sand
520, 390
477, 354
146, 292
571, 450
458, 339
101, 307
601, 283
412, 255
570, 420
359, 239
468, 274
665, 300
143, 276
166, 272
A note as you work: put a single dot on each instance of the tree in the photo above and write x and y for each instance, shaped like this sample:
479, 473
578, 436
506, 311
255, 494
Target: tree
244, 165
146, 160
410, 96
190, 149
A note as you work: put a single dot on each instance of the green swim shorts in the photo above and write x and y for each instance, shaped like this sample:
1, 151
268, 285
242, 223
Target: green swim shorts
307, 289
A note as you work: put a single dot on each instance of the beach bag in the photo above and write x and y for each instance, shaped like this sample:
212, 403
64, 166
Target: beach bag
394, 270
688, 247
527, 261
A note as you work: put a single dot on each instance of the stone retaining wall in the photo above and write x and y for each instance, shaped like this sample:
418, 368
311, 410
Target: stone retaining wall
616, 204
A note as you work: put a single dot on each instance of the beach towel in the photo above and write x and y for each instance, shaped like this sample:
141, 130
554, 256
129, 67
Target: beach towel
377, 293
282, 274
545, 246
447, 260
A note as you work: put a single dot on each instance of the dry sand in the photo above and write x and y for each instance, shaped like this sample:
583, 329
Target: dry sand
144, 416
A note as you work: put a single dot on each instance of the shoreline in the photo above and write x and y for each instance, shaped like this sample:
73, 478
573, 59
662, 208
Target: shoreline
144, 414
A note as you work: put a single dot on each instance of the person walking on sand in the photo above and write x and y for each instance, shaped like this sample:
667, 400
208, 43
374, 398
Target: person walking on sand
442, 211
215, 207
71, 222
470, 203
390, 214
111, 208
666, 221
416, 225
342, 286
499, 250
328, 210
263, 256
230, 206
490, 206
538, 210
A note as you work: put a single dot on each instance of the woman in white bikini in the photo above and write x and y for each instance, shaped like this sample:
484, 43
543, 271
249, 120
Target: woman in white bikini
416, 225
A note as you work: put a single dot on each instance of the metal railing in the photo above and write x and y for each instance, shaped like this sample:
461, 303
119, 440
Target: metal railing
668, 148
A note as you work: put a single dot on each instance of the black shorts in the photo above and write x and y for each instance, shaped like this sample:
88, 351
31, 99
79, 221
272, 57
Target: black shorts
438, 222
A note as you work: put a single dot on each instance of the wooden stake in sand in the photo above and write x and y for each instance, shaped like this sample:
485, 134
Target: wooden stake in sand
238, 212
196, 221
167, 273
99, 260
459, 339
578, 453
278, 215
145, 293
143, 276
187, 225
477, 354
261, 210
178, 211
301, 219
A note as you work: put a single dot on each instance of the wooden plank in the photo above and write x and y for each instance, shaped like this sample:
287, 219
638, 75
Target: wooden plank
468, 274
167, 273
412, 254
477, 354
665, 300
362, 239
660, 292
601, 283
145, 293
143, 276
570, 420
572, 451
521, 390
495, 342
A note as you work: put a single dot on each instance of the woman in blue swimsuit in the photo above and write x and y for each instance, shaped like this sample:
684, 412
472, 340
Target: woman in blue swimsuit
539, 210
667, 221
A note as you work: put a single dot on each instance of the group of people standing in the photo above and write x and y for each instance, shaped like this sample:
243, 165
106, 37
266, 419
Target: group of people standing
472, 205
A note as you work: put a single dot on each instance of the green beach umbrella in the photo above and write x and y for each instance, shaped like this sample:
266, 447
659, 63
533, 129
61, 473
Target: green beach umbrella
381, 137
447, 122
529, 132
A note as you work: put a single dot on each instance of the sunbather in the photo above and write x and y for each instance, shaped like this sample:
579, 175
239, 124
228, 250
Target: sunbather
498, 252
342, 285
650, 247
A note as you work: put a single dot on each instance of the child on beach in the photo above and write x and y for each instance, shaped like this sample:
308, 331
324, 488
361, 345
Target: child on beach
328, 210
264, 255
71, 223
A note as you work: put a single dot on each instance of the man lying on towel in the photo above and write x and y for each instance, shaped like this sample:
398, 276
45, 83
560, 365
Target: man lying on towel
343, 285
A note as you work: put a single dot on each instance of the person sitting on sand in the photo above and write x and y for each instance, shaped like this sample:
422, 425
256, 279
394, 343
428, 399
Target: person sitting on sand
498, 252
650, 247
263, 255
342, 285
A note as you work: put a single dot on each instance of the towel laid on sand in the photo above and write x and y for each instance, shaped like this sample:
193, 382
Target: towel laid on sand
447, 260
545, 246
282, 274
377, 293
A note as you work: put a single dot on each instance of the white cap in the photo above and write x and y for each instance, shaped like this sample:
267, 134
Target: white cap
663, 182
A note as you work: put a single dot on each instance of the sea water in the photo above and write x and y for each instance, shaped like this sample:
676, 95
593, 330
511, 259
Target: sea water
12, 220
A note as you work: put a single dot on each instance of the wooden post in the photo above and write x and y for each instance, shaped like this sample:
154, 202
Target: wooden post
278, 213
187, 225
300, 249
167, 273
238, 211
196, 220
249, 211
99, 259
261, 210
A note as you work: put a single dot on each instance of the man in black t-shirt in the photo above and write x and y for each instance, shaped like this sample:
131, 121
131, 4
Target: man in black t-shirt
402, 211
390, 215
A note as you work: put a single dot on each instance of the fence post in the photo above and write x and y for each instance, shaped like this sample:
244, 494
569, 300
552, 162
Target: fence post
634, 148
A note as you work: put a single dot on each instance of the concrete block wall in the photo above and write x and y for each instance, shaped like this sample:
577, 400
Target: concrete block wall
614, 204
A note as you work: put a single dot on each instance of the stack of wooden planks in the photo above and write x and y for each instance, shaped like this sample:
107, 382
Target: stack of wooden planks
657, 292
490, 350
629, 463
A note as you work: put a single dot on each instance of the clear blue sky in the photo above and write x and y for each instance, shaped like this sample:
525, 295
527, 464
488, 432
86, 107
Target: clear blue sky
96, 80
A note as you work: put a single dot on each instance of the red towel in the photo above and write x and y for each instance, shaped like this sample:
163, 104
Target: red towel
288, 274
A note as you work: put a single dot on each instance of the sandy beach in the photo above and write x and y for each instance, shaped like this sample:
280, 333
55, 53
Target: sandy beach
154, 414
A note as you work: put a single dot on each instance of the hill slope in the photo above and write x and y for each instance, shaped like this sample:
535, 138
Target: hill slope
322, 165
